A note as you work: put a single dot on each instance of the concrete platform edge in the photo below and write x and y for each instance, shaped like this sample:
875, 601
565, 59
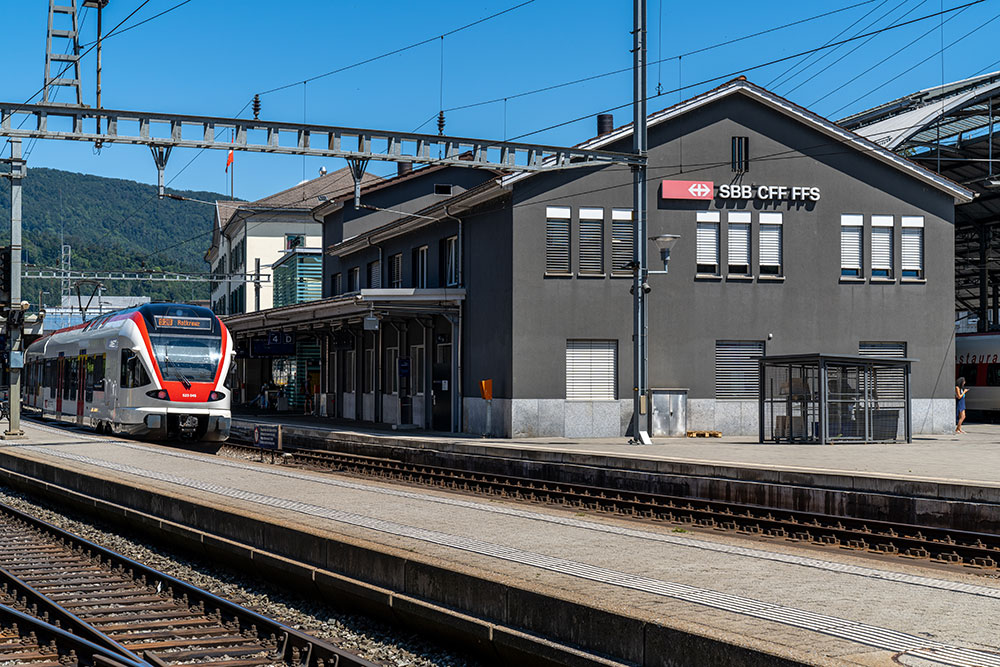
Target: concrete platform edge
533, 628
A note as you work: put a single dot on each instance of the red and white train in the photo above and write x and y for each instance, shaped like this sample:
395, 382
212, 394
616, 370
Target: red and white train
977, 359
157, 370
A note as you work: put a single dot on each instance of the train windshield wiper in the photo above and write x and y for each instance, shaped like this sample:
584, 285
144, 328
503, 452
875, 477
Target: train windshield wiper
179, 375
184, 380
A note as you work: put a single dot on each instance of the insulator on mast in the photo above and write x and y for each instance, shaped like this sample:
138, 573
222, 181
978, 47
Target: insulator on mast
441, 122
256, 106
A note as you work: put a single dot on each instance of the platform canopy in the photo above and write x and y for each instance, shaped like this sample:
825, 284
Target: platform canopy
949, 129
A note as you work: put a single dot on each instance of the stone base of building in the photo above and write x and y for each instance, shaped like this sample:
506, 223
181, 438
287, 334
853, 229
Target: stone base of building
543, 417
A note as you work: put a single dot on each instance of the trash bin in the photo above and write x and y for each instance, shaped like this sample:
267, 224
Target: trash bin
668, 415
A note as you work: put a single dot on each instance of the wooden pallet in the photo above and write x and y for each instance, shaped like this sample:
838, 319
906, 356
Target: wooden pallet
704, 434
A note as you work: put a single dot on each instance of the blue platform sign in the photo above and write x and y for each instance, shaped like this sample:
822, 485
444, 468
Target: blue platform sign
404, 367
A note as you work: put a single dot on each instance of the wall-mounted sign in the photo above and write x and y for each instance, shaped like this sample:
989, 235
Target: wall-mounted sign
688, 189
770, 192
706, 190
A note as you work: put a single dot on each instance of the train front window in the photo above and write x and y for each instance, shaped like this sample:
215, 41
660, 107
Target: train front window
187, 358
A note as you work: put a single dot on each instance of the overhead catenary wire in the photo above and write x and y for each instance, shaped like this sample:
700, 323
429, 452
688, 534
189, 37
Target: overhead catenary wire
751, 68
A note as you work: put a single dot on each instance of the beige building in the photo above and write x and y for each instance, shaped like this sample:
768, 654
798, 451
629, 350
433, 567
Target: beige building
251, 236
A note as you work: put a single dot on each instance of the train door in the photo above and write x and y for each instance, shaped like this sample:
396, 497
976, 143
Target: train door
81, 381
59, 383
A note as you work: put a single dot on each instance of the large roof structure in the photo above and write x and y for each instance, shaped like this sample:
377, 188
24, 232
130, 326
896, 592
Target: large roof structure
949, 129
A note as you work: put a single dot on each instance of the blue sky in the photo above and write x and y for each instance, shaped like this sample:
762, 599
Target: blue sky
209, 57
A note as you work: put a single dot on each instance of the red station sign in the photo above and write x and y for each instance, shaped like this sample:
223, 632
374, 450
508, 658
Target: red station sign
688, 190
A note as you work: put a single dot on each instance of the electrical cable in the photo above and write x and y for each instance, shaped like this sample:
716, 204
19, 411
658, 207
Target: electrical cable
881, 62
856, 48
657, 62
136, 25
781, 78
735, 73
399, 50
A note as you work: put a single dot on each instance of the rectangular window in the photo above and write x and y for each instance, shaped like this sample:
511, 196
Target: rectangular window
443, 189
350, 368
591, 370
912, 240
557, 253
882, 246
708, 243
741, 155
889, 384
396, 271
770, 244
369, 371
451, 261
591, 241
417, 370
335, 285
354, 279
420, 267
622, 241
375, 274
391, 373
737, 374
851, 229
739, 243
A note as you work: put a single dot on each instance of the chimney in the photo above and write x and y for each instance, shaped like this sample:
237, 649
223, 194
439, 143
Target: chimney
605, 123
403, 168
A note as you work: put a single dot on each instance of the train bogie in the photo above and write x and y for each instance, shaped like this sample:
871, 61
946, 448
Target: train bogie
155, 371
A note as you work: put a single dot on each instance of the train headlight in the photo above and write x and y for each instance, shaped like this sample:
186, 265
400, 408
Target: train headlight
159, 393
216, 396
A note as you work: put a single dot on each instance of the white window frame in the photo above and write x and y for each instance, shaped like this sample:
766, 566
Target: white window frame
852, 228
771, 224
911, 254
391, 372
396, 270
622, 241
883, 253
738, 250
354, 276
591, 241
708, 223
374, 270
417, 370
591, 370
451, 261
558, 261
421, 269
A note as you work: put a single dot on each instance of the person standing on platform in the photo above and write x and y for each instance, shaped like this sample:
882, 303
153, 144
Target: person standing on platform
960, 392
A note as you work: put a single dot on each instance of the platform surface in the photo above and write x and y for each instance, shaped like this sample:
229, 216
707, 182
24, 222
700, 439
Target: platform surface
830, 606
973, 457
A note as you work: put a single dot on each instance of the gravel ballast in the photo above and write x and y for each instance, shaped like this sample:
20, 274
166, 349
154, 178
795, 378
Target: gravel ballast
369, 638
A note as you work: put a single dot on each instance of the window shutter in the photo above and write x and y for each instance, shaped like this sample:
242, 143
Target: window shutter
889, 382
591, 370
850, 247
737, 373
396, 270
770, 245
708, 243
375, 275
913, 249
622, 242
739, 244
882, 248
592, 240
557, 239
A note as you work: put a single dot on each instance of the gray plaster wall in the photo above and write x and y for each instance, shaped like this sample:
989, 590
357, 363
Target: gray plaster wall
811, 310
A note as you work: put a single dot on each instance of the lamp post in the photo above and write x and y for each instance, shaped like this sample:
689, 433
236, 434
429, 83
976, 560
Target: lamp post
663, 243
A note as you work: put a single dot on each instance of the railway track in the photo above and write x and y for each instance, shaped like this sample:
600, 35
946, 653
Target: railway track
947, 547
126, 613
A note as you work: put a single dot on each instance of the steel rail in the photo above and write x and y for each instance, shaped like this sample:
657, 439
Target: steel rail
286, 645
27, 634
882, 537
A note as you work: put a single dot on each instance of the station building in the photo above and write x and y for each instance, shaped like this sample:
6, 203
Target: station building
796, 236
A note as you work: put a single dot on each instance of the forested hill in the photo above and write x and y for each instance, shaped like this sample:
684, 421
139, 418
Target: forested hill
112, 225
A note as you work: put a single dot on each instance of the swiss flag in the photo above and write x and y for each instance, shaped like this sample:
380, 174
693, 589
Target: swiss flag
229, 160
688, 190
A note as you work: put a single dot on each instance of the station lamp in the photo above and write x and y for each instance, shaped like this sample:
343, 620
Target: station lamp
663, 243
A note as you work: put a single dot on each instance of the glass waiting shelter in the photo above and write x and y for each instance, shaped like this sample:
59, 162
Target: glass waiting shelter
829, 398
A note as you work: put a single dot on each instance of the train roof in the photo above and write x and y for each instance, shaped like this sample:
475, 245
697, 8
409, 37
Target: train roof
149, 311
